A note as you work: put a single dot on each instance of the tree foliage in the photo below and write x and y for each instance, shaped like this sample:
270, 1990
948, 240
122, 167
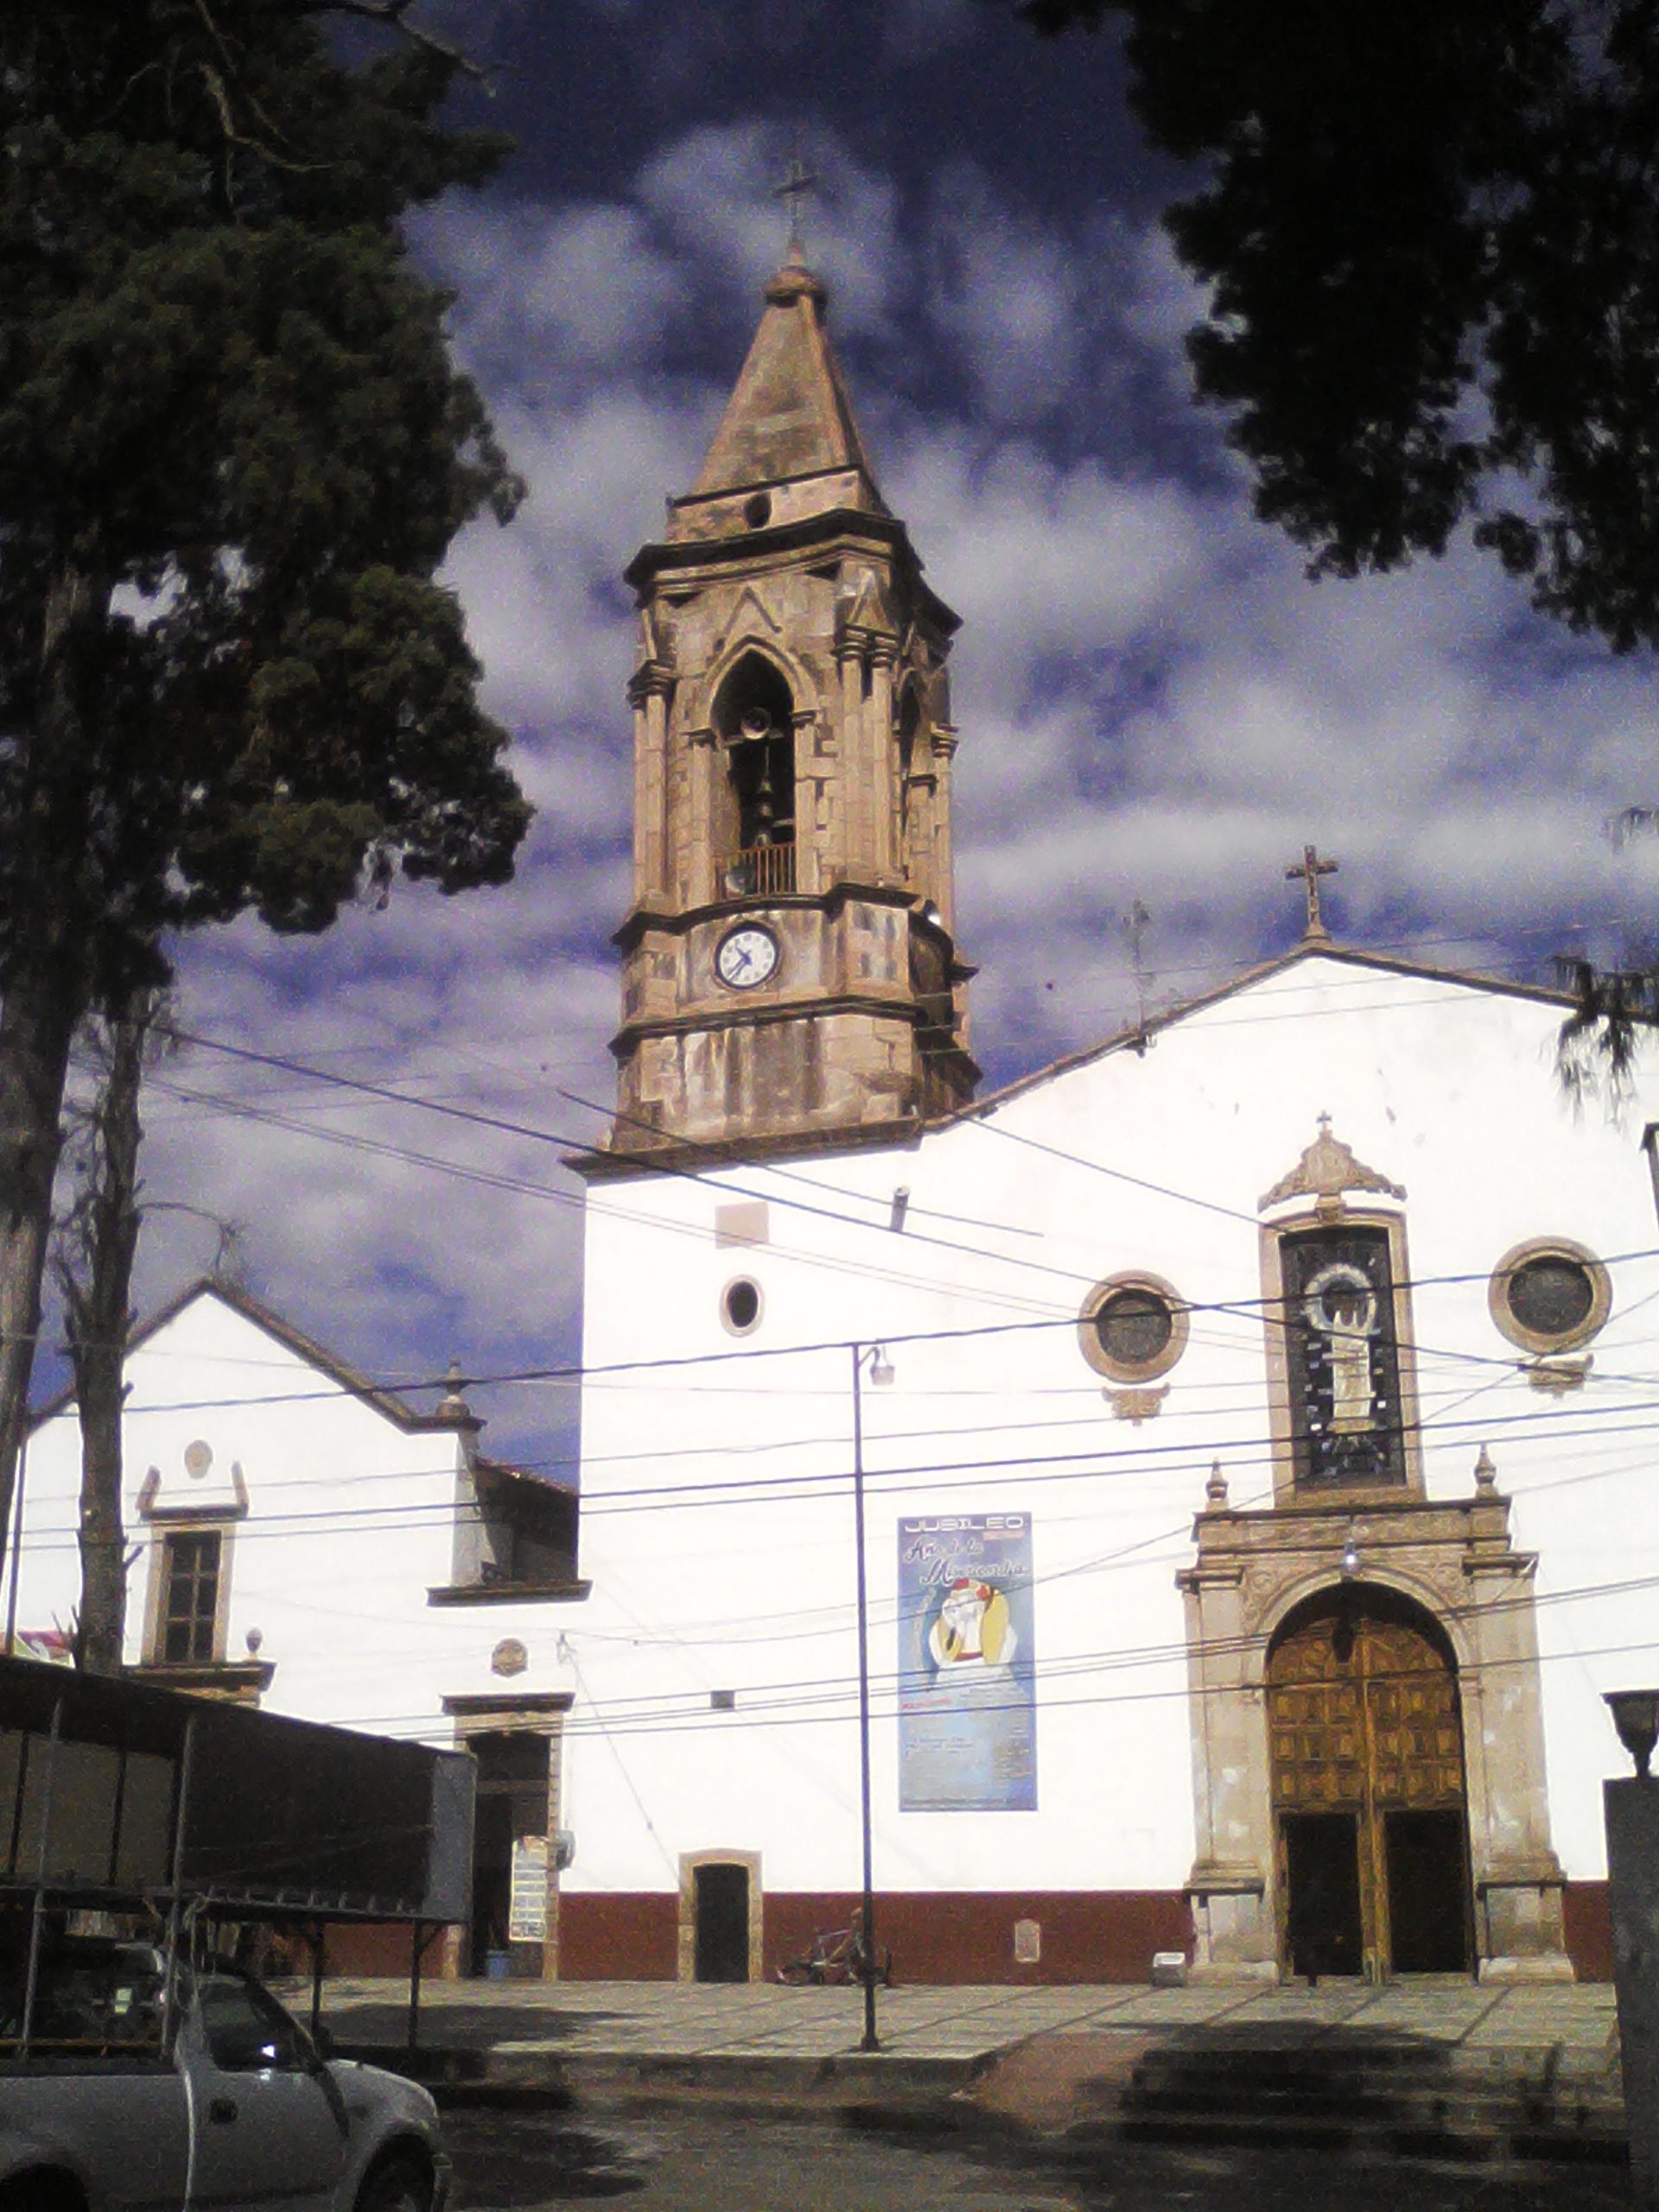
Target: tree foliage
1432, 234
233, 451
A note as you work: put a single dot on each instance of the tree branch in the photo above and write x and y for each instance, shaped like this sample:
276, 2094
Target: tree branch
392, 14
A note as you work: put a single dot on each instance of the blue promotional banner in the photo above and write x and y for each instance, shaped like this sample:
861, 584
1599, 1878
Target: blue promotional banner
967, 1689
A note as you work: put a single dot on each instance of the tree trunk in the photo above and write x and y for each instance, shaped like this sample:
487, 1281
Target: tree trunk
97, 1301
37, 1019
43, 993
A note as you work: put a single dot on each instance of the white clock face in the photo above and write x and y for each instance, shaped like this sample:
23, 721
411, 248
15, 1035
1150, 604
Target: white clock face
745, 957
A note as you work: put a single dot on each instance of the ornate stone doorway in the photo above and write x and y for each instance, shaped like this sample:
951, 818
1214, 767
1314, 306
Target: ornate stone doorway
1369, 1794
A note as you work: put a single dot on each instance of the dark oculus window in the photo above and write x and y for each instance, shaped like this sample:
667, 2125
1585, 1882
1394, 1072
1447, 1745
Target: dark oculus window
740, 1306
1132, 1327
1550, 1296
1341, 1358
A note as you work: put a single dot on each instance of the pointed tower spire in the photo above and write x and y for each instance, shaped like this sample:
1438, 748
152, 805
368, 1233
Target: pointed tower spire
790, 415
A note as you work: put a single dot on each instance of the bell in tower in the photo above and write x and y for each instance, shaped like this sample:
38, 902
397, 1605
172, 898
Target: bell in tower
790, 971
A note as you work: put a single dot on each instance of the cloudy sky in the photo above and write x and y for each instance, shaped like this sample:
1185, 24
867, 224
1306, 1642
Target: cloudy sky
1154, 705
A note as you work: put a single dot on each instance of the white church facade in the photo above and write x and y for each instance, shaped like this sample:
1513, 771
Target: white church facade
1193, 1500
1245, 1423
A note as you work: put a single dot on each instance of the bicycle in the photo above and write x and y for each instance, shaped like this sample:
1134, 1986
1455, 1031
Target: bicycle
836, 1955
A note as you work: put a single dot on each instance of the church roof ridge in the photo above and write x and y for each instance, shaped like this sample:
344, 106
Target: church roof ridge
351, 1379
789, 415
1133, 1035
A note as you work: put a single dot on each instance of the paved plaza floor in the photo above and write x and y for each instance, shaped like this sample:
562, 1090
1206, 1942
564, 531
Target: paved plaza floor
965, 2026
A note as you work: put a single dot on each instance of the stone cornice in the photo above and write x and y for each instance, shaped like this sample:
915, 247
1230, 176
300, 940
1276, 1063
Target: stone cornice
900, 1006
748, 549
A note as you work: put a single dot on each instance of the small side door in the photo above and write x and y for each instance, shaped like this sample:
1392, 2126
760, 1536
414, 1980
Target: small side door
272, 2131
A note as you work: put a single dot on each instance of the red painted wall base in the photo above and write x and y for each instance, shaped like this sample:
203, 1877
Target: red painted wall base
966, 1937
1086, 1936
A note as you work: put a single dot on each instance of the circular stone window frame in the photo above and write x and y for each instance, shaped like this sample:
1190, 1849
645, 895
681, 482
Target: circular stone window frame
1538, 1341
745, 1328
1133, 1370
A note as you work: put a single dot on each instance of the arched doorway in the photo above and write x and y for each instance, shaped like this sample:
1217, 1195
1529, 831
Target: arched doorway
1368, 1801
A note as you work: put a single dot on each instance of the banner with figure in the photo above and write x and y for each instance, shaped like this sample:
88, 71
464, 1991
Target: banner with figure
967, 1693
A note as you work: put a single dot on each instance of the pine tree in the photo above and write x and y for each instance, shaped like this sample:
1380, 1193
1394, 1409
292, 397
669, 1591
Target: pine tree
233, 451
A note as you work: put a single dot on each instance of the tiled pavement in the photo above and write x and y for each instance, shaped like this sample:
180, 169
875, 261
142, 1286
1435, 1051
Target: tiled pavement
666, 2021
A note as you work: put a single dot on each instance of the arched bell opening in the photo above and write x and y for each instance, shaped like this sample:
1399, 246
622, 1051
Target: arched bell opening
753, 720
1370, 1793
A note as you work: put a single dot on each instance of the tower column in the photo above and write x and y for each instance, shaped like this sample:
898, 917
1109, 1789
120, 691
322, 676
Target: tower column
920, 788
854, 783
648, 695
877, 764
702, 767
942, 890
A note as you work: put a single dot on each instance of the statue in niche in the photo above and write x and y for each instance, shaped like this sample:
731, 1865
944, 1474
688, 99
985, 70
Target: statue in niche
1341, 1305
1343, 1362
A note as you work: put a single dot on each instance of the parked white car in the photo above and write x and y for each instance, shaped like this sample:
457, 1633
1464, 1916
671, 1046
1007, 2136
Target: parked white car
119, 2103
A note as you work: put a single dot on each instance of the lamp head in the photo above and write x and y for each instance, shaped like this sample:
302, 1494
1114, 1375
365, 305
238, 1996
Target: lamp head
881, 1367
1635, 1716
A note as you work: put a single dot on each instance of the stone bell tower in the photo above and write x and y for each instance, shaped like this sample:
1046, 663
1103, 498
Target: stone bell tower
790, 971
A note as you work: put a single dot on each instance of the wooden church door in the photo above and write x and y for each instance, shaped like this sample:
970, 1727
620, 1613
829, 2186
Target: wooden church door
1368, 1789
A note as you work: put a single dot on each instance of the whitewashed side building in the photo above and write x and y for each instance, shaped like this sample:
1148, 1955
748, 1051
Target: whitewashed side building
303, 1538
1251, 1419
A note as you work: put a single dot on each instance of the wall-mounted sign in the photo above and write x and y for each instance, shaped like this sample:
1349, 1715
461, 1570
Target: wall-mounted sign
527, 1899
967, 1694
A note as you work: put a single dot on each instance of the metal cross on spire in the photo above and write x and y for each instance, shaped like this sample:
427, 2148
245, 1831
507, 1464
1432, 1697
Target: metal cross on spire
1311, 869
793, 189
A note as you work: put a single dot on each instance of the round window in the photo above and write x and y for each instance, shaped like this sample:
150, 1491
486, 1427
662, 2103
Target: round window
1132, 1328
757, 511
740, 1306
1550, 1295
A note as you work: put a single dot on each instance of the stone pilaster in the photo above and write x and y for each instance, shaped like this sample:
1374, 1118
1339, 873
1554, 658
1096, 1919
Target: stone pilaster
880, 758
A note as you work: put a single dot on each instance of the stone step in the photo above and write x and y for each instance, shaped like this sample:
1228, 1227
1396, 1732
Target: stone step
1400, 2097
1464, 2140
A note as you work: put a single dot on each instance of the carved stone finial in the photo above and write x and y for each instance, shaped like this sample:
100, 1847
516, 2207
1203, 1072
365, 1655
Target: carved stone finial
453, 1405
1485, 1475
1324, 1171
1215, 1489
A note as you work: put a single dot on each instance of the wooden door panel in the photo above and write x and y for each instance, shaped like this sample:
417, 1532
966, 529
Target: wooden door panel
1363, 1719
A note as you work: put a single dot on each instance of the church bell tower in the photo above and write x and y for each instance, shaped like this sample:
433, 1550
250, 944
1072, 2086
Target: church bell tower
791, 975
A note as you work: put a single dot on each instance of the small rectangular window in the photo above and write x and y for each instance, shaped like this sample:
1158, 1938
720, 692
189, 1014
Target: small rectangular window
190, 1597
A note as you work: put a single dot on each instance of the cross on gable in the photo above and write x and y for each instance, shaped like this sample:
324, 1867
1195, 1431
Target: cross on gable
793, 189
1311, 869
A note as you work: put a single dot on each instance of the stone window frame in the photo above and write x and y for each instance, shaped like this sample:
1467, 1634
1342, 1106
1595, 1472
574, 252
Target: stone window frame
747, 1328
1133, 1370
1280, 1427
1537, 1341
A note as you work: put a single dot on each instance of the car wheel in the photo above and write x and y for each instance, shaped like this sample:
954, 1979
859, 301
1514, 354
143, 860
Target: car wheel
400, 2184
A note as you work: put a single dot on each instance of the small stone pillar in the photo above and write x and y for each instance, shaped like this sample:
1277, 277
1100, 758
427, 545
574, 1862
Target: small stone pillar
1631, 1810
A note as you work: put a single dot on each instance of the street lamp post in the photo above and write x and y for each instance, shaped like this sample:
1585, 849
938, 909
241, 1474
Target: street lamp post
1631, 1808
880, 1374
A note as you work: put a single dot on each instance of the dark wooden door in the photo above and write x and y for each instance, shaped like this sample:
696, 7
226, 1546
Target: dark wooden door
1428, 1890
1363, 1725
722, 1929
1326, 1930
